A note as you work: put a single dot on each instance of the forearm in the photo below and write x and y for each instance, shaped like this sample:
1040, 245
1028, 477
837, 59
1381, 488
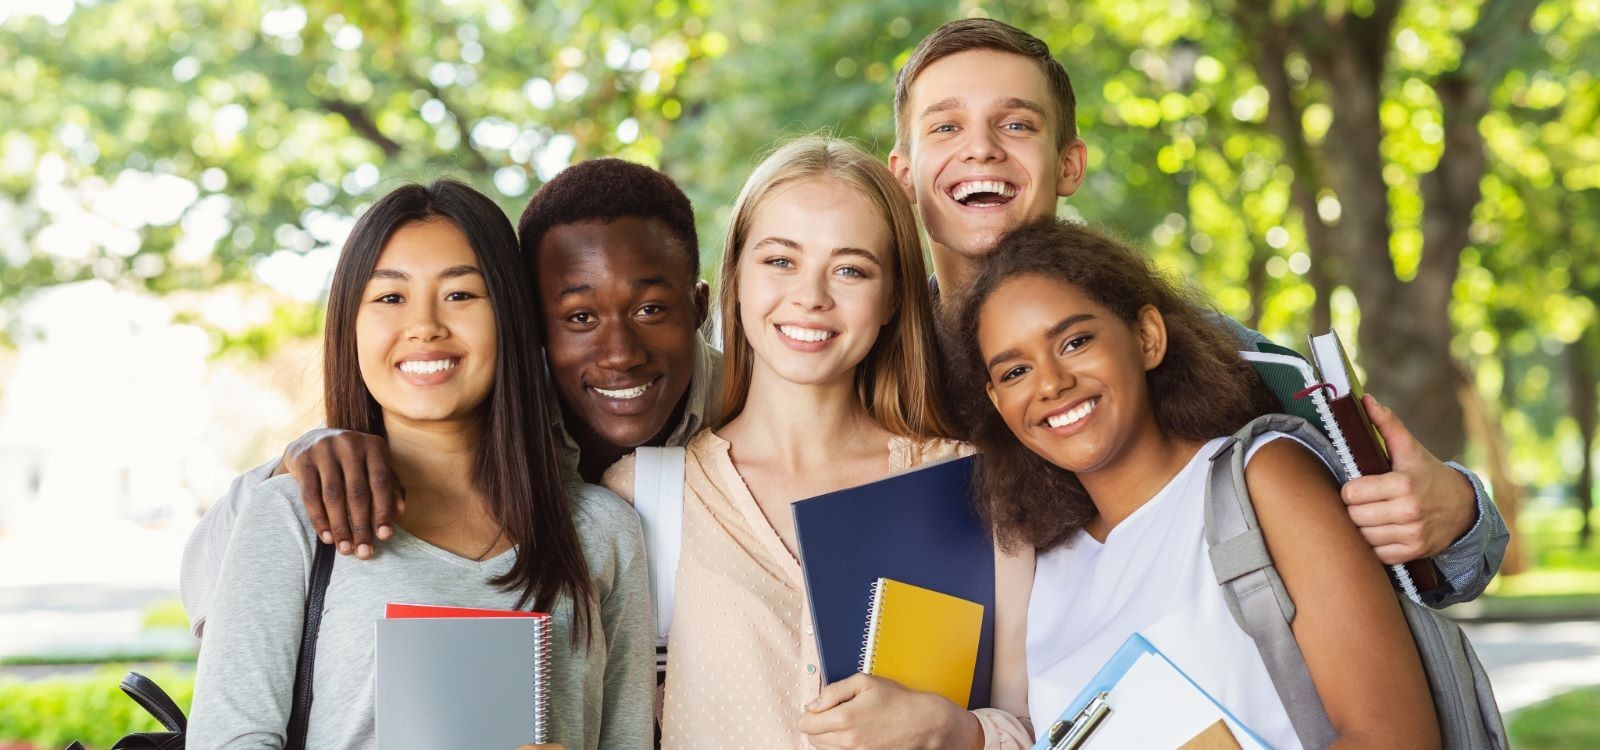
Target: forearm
1001, 730
203, 553
1467, 566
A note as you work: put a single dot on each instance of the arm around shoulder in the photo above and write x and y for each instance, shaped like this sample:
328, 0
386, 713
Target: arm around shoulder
1348, 623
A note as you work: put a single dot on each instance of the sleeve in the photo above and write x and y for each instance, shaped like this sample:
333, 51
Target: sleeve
1467, 566
202, 554
245, 677
619, 478
628, 716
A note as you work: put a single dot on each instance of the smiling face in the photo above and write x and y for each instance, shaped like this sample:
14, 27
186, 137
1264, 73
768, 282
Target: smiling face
1066, 375
814, 281
425, 332
621, 310
980, 154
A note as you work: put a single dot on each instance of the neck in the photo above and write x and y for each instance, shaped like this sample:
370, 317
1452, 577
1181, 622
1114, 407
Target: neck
955, 272
1134, 478
802, 426
596, 453
434, 460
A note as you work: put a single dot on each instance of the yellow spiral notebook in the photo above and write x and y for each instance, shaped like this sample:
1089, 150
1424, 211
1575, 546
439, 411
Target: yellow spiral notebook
922, 639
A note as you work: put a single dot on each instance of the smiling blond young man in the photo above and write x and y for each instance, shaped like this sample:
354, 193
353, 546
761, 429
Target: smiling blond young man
986, 139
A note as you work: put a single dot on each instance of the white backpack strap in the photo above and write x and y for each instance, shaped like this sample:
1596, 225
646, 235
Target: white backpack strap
658, 496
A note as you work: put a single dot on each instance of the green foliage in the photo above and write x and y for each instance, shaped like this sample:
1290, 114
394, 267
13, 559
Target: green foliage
52, 712
1565, 722
166, 614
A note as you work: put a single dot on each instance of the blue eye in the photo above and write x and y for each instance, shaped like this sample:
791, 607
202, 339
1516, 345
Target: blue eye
779, 262
854, 272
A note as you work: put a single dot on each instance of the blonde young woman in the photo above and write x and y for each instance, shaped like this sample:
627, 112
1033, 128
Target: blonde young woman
829, 344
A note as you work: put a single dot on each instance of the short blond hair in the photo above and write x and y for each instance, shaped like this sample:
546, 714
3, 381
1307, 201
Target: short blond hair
895, 380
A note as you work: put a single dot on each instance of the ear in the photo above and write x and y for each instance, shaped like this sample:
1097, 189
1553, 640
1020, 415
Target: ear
900, 166
702, 302
1152, 331
1070, 169
988, 387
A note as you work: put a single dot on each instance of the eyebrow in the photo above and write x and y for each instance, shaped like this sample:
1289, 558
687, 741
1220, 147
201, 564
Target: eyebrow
642, 283
952, 103
1055, 330
792, 245
448, 273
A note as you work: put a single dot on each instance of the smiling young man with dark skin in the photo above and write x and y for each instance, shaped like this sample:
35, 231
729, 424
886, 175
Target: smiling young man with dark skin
616, 263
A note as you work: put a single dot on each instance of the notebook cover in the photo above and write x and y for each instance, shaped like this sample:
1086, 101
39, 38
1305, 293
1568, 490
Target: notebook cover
924, 640
915, 527
397, 611
456, 682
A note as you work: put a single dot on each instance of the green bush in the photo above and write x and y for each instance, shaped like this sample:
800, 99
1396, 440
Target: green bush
91, 708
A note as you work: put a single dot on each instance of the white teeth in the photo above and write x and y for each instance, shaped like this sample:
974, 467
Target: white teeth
806, 334
965, 189
427, 366
1070, 417
625, 393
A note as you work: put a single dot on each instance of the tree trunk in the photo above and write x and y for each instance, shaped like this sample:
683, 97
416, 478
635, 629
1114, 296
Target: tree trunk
1581, 355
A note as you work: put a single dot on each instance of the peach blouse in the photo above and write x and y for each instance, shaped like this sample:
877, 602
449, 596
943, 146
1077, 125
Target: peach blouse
742, 660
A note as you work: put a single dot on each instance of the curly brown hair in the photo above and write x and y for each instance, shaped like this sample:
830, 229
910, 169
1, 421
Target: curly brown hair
1201, 389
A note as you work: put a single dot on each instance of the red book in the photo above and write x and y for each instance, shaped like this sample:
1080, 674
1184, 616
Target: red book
396, 611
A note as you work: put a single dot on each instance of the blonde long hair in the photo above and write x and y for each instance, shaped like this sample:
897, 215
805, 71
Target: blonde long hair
895, 381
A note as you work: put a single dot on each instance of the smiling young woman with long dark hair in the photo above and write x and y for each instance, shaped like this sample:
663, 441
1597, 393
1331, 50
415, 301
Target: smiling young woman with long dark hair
432, 343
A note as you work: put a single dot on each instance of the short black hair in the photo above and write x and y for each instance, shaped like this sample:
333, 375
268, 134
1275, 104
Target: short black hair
606, 189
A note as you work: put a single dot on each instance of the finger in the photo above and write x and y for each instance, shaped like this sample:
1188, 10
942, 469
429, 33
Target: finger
1402, 540
306, 475
1377, 488
358, 499
1392, 512
829, 721
838, 692
385, 491
333, 503
1404, 450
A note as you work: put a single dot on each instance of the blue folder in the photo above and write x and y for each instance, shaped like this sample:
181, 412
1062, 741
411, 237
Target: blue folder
1118, 665
918, 528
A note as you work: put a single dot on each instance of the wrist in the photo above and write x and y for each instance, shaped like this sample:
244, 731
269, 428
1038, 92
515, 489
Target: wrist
963, 729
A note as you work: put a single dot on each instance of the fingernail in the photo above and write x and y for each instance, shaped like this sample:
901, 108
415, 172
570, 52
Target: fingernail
384, 532
344, 548
327, 538
364, 551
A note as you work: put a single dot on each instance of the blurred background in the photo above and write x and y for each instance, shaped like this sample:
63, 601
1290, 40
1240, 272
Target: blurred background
176, 180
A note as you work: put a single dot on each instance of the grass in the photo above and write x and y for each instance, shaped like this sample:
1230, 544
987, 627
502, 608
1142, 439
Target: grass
52, 712
1568, 721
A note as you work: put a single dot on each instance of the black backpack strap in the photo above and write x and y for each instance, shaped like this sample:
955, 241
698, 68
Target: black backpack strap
148, 694
300, 709
1251, 586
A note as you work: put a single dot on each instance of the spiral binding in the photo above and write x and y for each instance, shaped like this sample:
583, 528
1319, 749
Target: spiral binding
869, 645
541, 683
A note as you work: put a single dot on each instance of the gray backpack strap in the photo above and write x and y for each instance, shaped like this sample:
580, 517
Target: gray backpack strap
658, 496
1254, 592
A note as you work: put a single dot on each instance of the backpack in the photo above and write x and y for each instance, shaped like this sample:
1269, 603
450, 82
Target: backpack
1462, 697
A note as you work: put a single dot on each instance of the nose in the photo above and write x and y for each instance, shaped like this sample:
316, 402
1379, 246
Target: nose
981, 144
810, 290
423, 323
1054, 379
620, 348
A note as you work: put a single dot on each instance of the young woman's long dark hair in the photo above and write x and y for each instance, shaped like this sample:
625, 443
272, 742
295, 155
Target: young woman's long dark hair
1201, 389
516, 466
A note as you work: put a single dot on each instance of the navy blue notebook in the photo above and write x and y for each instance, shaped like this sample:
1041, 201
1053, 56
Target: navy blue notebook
916, 527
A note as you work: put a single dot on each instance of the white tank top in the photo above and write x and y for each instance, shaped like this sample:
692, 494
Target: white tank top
1151, 576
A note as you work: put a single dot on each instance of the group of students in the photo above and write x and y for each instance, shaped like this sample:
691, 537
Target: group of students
462, 465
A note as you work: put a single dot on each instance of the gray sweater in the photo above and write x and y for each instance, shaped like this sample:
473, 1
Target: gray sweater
600, 697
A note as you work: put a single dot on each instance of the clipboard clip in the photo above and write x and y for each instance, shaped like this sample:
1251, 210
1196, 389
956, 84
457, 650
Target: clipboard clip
1070, 735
